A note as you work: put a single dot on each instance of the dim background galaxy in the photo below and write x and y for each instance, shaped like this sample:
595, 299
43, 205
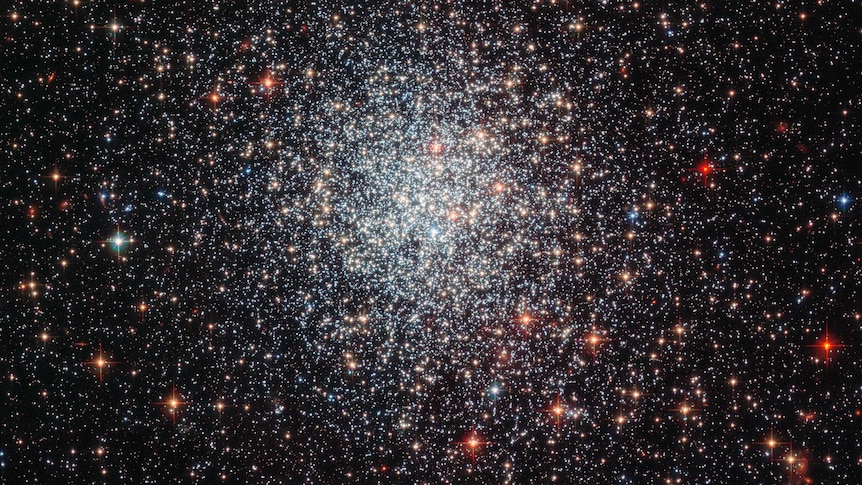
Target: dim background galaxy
431, 242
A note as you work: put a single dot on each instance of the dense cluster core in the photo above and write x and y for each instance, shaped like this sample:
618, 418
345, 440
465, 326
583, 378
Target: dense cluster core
431, 242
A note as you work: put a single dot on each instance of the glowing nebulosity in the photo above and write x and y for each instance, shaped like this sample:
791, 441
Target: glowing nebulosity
366, 242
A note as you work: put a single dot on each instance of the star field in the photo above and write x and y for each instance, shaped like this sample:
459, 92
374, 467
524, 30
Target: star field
431, 242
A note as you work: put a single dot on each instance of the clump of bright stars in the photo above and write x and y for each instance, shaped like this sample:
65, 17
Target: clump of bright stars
431, 242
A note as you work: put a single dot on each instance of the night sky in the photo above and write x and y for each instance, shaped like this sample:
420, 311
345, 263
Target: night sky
431, 242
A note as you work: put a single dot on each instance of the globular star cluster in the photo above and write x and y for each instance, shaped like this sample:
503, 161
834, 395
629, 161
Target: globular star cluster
431, 242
